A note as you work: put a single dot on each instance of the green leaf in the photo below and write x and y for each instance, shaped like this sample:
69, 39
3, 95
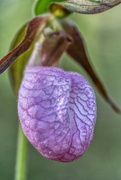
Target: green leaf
34, 28
17, 68
23, 46
85, 6
78, 52
42, 6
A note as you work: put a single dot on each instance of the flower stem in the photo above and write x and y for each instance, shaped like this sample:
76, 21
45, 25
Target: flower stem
20, 173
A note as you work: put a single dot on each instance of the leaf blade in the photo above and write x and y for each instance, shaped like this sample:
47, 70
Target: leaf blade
42, 6
86, 6
33, 29
17, 68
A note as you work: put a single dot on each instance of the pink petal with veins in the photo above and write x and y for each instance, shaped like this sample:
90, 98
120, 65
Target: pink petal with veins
57, 111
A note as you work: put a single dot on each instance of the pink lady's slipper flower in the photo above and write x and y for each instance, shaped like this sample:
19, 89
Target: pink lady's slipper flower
57, 111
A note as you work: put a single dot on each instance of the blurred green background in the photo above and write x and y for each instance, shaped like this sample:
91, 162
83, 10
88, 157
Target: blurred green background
102, 160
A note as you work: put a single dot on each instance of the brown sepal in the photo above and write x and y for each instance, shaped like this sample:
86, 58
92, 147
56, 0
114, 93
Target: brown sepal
77, 51
33, 29
53, 47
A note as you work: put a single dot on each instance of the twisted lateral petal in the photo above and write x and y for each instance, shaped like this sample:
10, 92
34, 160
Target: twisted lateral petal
57, 111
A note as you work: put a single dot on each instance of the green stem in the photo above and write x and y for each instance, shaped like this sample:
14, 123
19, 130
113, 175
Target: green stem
20, 173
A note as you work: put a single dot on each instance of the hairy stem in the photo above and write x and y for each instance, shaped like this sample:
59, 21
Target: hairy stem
20, 173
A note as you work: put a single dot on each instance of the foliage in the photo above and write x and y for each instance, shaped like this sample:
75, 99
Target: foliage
74, 44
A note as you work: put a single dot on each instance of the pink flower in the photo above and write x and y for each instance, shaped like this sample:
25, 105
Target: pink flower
57, 111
